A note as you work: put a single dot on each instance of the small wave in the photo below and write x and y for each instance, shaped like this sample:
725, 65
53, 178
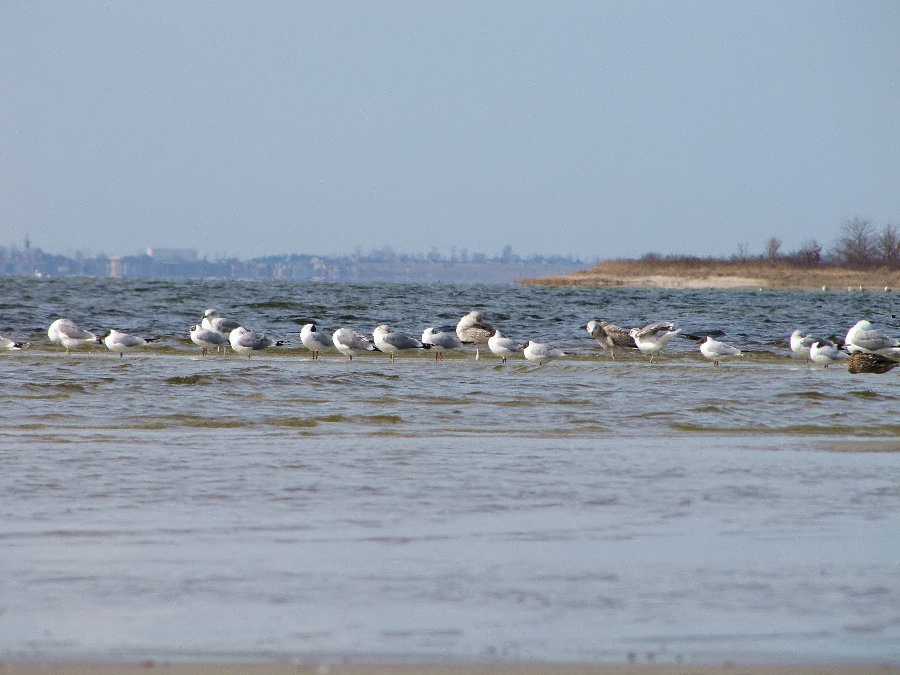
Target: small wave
292, 422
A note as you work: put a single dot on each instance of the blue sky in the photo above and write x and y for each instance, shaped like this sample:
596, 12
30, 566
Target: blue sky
598, 129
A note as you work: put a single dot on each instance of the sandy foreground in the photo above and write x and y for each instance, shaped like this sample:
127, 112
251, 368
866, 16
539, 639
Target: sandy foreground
151, 668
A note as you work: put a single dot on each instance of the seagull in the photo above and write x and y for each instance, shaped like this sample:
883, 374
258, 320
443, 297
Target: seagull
347, 341
212, 321
715, 350
800, 345
207, 339
245, 341
391, 342
6, 343
536, 351
503, 346
315, 341
824, 352
473, 329
119, 342
653, 338
65, 332
862, 337
864, 362
609, 336
441, 339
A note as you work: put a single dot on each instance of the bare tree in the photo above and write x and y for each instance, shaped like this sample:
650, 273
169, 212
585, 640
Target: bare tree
772, 248
888, 245
809, 253
855, 247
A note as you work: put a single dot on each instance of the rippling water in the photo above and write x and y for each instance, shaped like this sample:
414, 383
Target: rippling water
170, 506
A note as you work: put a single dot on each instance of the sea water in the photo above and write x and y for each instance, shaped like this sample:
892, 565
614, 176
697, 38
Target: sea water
171, 506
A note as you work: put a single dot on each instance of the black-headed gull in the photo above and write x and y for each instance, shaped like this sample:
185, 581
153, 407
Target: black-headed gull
867, 362
348, 342
825, 353
540, 352
715, 350
119, 342
503, 346
653, 338
441, 339
244, 341
800, 344
66, 333
862, 337
393, 342
472, 329
6, 343
315, 340
609, 336
207, 339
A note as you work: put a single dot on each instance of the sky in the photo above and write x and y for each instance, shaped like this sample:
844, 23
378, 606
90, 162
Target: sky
598, 129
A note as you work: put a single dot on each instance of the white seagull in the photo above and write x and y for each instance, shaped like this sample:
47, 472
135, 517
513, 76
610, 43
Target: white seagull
862, 337
653, 338
66, 333
6, 343
207, 339
824, 353
800, 345
503, 346
715, 350
245, 341
348, 342
537, 351
314, 340
392, 342
119, 342
441, 340
472, 329
609, 336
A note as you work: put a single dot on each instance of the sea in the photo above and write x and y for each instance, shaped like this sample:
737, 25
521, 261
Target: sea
172, 507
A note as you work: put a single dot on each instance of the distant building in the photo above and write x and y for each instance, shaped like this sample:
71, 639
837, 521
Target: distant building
172, 255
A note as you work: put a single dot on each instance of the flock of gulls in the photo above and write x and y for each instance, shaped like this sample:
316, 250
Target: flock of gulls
865, 349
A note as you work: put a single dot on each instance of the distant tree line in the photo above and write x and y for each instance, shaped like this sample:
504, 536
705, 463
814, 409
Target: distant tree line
859, 245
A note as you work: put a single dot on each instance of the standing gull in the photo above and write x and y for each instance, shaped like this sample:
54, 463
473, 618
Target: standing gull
862, 337
472, 329
653, 338
503, 346
207, 339
800, 345
715, 350
245, 341
824, 353
392, 342
441, 339
610, 336
119, 342
537, 351
220, 324
314, 340
66, 333
348, 342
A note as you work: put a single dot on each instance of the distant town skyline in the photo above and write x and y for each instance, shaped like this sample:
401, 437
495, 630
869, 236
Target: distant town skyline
596, 129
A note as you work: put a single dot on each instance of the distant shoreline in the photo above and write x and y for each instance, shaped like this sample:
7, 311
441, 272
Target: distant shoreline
699, 273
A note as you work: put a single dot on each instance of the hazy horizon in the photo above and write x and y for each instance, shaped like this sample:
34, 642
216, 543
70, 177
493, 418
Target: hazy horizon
597, 130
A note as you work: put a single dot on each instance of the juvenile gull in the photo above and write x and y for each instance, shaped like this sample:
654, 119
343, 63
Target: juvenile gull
472, 329
66, 333
348, 342
503, 346
865, 362
537, 351
314, 340
441, 339
715, 350
207, 339
392, 342
610, 336
245, 341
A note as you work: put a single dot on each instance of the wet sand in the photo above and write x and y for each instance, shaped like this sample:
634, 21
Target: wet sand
427, 669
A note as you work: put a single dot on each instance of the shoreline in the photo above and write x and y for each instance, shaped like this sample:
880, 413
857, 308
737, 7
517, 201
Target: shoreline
723, 275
